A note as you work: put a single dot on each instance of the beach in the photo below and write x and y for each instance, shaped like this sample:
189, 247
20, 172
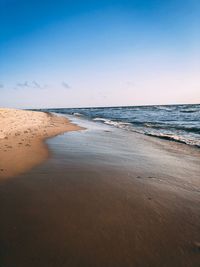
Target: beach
21, 138
105, 197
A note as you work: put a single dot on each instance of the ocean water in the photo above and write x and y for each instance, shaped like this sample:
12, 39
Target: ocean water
180, 123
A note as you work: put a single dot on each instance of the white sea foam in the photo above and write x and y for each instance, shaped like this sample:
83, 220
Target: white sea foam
78, 114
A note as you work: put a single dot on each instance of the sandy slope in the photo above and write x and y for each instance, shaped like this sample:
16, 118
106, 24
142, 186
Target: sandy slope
21, 138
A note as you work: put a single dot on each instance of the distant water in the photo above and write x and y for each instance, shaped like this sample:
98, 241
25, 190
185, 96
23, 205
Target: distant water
180, 123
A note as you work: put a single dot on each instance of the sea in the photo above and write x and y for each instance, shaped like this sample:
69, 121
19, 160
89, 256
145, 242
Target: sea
179, 123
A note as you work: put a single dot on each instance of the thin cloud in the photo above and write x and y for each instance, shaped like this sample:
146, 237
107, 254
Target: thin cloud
33, 84
1, 85
66, 85
36, 84
23, 84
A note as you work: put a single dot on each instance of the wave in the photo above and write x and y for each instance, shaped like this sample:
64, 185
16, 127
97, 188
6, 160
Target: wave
142, 129
166, 126
100, 119
189, 129
190, 111
164, 108
150, 125
78, 114
180, 123
174, 138
118, 124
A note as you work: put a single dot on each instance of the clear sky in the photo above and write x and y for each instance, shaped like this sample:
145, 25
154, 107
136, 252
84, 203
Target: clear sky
77, 53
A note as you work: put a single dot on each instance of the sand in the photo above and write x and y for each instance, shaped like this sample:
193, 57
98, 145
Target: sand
22, 135
105, 198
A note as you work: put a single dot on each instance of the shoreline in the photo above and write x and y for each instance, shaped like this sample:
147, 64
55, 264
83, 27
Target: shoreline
178, 124
22, 138
106, 197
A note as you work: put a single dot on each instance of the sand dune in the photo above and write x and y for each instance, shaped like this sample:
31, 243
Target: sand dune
21, 138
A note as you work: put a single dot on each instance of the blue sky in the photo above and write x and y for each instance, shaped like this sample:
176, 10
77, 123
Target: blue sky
73, 53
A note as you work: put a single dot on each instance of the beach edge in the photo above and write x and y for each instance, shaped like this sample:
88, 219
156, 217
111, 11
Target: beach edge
23, 135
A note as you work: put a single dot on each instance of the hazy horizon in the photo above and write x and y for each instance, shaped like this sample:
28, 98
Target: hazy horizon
90, 107
88, 53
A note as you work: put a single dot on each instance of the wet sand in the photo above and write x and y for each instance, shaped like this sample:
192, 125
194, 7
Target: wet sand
21, 138
107, 198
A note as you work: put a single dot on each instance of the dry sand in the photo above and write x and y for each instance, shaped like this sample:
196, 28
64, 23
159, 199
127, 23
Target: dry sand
21, 138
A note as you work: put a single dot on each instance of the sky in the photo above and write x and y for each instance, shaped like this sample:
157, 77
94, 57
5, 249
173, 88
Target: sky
86, 53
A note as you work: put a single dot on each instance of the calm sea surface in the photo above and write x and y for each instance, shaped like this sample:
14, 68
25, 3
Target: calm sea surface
180, 123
